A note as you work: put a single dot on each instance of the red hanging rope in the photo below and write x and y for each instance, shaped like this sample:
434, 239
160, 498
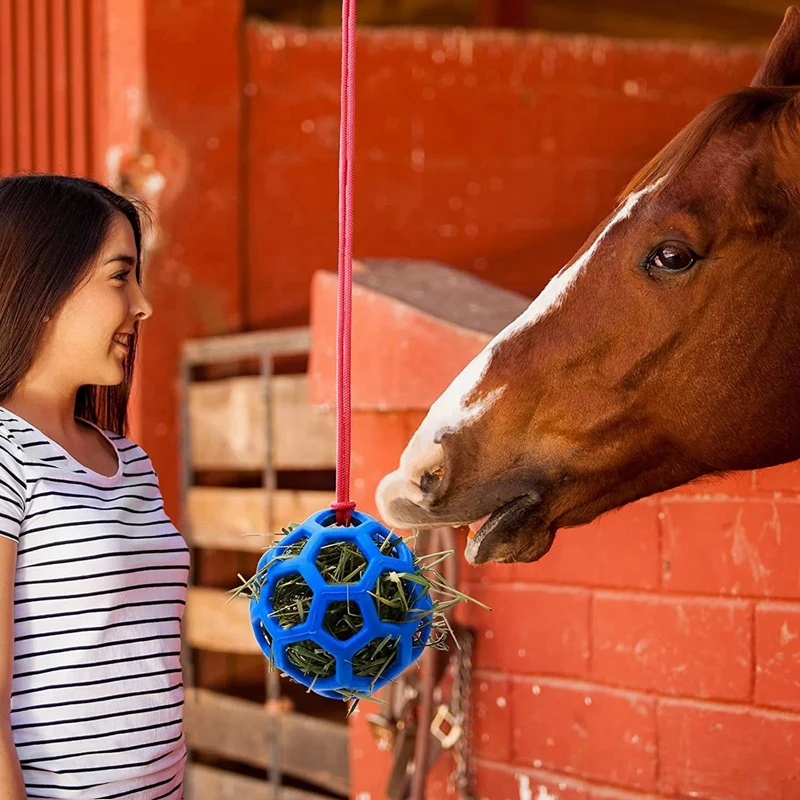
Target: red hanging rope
343, 504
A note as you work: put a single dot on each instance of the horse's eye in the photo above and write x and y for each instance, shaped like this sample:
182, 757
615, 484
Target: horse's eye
672, 257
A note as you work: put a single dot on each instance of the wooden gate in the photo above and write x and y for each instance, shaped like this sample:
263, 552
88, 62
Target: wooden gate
256, 456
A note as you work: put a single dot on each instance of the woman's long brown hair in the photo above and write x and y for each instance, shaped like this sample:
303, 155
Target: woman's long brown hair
52, 228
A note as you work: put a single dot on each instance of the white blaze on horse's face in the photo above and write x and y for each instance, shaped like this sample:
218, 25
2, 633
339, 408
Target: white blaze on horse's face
452, 411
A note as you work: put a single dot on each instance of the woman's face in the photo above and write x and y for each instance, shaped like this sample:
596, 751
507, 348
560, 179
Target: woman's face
87, 340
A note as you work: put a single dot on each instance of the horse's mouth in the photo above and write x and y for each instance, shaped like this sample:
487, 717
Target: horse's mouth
514, 532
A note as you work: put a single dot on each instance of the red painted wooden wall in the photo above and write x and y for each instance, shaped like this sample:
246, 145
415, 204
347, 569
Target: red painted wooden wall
493, 152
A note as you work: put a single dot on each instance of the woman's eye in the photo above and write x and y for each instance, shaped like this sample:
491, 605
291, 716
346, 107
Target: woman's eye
672, 257
122, 276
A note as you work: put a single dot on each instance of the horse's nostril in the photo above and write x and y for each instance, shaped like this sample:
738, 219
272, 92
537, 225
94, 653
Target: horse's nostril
428, 481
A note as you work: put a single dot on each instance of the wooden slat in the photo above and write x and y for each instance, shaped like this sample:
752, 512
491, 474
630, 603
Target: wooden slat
214, 624
209, 783
225, 519
78, 86
23, 113
241, 519
227, 422
247, 345
288, 506
302, 437
59, 52
8, 144
315, 750
42, 100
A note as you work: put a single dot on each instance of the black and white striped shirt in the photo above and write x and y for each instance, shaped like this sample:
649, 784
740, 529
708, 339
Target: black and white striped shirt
100, 589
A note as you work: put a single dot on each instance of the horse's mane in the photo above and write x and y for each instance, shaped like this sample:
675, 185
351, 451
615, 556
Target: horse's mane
731, 112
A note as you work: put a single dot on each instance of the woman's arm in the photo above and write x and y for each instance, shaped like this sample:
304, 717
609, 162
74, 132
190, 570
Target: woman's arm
11, 784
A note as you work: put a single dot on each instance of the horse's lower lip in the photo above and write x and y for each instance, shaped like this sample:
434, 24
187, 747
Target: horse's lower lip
497, 538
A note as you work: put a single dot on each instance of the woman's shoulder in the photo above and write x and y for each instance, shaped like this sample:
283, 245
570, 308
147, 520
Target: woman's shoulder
12, 438
13, 477
133, 456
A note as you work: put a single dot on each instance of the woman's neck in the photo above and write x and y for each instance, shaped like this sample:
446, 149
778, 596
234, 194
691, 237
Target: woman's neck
51, 411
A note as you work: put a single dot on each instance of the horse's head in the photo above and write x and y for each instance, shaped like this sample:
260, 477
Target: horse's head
667, 349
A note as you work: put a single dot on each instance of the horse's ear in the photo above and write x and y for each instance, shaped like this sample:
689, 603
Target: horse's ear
781, 67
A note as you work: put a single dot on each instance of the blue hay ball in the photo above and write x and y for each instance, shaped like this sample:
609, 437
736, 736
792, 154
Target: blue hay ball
367, 534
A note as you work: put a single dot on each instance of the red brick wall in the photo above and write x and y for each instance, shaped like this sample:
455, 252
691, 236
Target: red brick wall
653, 654
656, 653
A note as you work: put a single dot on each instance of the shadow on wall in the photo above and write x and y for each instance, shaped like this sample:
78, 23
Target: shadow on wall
751, 21
321, 13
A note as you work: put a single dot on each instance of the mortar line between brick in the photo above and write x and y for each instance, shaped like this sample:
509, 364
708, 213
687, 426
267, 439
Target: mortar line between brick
624, 591
570, 779
657, 742
753, 651
590, 635
660, 512
512, 718
787, 496
583, 684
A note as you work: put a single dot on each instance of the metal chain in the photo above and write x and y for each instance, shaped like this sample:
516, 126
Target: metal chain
461, 777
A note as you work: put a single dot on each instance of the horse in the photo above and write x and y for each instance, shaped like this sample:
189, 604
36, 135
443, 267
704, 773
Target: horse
666, 350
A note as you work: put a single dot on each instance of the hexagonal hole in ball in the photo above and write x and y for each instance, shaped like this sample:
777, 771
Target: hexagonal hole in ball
311, 659
378, 655
389, 545
290, 550
341, 562
343, 619
291, 600
393, 597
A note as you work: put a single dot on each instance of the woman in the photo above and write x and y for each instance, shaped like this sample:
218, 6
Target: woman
93, 574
